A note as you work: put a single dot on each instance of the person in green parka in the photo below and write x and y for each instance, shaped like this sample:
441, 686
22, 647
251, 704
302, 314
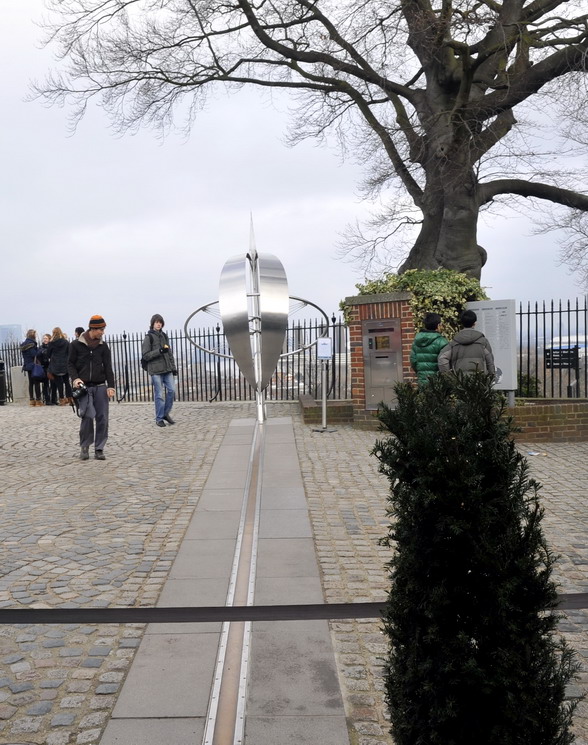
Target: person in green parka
426, 347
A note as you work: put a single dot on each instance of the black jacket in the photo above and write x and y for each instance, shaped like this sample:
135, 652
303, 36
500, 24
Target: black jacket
43, 356
90, 365
29, 351
58, 354
158, 362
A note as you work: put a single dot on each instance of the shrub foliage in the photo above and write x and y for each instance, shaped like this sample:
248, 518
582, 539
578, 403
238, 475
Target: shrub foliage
442, 291
474, 652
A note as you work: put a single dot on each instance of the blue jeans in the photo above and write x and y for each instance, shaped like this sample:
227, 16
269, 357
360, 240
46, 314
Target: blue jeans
163, 404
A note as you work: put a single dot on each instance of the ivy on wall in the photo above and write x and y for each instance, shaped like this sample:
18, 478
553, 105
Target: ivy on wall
442, 291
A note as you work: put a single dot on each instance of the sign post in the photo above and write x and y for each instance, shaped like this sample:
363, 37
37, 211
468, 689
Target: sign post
324, 352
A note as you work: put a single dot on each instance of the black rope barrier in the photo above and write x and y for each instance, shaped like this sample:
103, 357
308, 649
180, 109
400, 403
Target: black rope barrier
309, 612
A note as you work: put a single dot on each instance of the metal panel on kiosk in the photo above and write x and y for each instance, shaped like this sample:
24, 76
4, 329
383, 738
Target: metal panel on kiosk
382, 359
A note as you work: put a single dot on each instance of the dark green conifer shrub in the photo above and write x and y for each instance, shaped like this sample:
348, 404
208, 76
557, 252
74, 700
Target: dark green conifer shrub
475, 658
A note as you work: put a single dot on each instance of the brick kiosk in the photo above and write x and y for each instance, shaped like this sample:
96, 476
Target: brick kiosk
394, 308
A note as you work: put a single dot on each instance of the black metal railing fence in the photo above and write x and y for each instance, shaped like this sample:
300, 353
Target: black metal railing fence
206, 377
552, 360
552, 351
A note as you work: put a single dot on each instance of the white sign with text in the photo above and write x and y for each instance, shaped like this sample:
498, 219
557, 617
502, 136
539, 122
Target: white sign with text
324, 348
497, 321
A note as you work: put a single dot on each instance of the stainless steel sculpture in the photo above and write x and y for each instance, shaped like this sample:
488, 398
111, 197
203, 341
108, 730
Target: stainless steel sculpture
254, 304
255, 321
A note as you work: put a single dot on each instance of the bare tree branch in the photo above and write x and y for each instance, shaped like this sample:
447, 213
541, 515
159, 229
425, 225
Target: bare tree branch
452, 137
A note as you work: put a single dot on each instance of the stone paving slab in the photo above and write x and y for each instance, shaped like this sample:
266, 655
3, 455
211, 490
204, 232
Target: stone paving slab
81, 534
292, 667
179, 731
158, 681
302, 730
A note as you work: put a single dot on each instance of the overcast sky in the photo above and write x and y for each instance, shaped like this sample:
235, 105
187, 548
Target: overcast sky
129, 226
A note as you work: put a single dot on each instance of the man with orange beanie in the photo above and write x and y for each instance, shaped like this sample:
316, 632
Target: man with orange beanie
91, 373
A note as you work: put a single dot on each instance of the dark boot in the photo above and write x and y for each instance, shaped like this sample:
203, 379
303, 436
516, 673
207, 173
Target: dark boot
84, 454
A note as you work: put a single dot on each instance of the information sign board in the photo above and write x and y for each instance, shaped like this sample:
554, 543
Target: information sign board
324, 348
497, 321
562, 359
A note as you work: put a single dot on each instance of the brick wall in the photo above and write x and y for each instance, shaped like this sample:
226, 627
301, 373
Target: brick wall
375, 307
540, 420
551, 420
337, 411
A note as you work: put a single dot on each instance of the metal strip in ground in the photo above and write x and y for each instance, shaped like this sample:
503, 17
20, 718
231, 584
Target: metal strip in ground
226, 650
239, 732
223, 726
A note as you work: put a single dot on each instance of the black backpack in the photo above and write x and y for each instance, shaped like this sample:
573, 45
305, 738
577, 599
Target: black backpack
144, 362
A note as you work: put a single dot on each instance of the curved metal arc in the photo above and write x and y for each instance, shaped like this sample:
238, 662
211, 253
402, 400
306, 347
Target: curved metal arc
312, 343
234, 311
199, 346
230, 356
273, 311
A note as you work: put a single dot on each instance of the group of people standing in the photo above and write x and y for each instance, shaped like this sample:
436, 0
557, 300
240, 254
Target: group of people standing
45, 365
468, 352
87, 363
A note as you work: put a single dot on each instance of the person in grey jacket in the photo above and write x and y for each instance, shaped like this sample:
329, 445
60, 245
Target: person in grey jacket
160, 364
469, 351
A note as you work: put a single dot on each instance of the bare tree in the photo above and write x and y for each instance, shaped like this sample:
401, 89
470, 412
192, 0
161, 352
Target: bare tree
423, 91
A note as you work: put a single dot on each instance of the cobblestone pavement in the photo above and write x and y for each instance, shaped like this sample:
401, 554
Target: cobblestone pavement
99, 534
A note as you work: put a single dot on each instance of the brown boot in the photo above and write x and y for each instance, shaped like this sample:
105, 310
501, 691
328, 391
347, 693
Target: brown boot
63, 402
32, 402
39, 403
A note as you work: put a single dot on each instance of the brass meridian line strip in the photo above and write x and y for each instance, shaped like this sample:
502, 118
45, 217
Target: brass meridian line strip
226, 697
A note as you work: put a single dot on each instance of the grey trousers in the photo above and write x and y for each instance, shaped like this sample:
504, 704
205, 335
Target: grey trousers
94, 406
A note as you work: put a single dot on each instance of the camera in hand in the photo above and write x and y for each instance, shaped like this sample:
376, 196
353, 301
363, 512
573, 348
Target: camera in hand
79, 392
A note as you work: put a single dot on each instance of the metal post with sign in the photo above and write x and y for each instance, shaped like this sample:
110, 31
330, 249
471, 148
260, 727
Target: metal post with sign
324, 352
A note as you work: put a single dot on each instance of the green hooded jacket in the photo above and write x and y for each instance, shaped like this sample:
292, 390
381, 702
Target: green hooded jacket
423, 355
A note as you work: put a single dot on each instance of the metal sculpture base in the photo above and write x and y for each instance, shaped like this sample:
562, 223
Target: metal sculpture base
260, 405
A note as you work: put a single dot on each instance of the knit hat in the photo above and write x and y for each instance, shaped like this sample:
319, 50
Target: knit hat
96, 322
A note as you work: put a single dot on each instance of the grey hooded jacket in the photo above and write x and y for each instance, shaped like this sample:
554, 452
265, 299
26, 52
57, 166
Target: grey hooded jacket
469, 351
158, 362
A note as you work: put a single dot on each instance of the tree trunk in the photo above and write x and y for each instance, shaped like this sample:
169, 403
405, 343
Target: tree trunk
448, 236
